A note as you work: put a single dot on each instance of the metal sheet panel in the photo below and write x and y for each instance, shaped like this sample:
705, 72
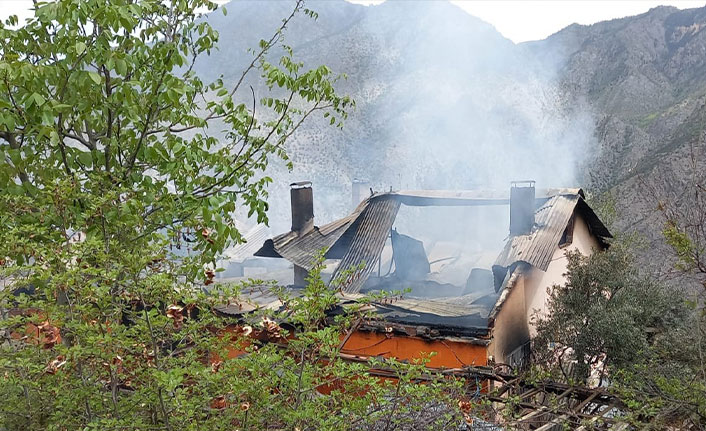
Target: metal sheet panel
595, 224
254, 238
537, 247
468, 323
370, 233
253, 298
360, 236
440, 308
302, 249
466, 319
469, 197
342, 234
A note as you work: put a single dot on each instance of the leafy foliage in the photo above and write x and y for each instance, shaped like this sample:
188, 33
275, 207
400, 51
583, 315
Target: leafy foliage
117, 190
667, 386
683, 209
99, 98
612, 325
604, 317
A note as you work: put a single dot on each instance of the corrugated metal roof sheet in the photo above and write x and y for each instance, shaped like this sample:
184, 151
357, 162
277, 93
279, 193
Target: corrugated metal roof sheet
302, 249
360, 236
370, 232
537, 247
595, 225
469, 197
439, 307
254, 238
470, 323
459, 320
551, 219
262, 297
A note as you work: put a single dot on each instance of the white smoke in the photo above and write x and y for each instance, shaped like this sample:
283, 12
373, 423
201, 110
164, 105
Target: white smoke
444, 102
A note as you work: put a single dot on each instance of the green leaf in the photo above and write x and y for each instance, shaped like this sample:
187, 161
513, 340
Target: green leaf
38, 99
121, 66
85, 159
145, 191
95, 77
80, 48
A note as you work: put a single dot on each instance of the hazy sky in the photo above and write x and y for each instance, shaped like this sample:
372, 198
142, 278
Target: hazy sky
521, 21
518, 20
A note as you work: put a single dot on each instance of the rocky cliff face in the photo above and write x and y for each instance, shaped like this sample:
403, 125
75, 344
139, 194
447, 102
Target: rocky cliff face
444, 101
644, 80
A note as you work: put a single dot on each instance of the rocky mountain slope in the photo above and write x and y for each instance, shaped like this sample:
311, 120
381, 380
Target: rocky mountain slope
444, 101
644, 79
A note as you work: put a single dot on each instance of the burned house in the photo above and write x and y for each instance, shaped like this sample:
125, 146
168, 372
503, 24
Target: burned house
470, 293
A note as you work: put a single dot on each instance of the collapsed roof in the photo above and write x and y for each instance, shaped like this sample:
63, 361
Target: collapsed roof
361, 236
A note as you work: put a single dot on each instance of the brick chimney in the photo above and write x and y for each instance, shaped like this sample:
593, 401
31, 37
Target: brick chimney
302, 197
522, 207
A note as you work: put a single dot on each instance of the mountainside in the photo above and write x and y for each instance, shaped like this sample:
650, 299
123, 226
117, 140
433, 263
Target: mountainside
644, 79
444, 101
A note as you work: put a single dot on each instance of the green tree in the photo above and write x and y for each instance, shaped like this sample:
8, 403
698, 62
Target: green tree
682, 205
605, 317
667, 385
640, 336
99, 99
111, 158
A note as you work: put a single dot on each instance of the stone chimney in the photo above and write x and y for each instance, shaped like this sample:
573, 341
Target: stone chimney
302, 197
522, 207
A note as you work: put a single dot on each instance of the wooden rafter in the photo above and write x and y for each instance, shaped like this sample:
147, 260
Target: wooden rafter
538, 405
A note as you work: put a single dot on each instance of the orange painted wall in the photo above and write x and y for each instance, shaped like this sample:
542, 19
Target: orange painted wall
450, 354
237, 332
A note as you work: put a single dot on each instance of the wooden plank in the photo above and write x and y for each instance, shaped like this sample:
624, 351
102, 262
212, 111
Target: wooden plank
530, 393
586, 428
533, 414
556, 421
600, 416
507, 386
564, 394
585, 402
545, 409
526, 405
